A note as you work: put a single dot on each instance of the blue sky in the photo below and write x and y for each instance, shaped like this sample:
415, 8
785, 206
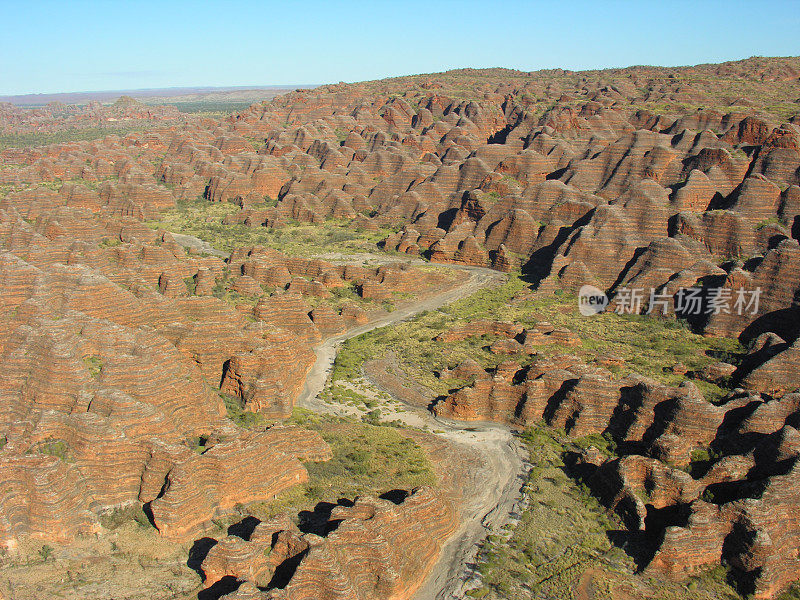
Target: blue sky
48, 47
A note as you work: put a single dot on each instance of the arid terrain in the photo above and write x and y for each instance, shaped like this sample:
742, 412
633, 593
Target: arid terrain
335, 345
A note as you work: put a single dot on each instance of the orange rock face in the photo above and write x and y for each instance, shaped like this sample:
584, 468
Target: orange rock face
112, 376
734, 510
121, 348
376, 549
573, 195
267, 379
231, 473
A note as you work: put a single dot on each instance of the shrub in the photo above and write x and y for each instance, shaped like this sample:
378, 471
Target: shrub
120, 516
94, 364
240, 416
45, 552
53, 447
603, 442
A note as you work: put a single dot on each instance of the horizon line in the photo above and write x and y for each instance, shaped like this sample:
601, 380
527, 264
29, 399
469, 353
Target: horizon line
5, 97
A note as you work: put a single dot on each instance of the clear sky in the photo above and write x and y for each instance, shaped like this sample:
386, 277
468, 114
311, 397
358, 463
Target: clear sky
76, 45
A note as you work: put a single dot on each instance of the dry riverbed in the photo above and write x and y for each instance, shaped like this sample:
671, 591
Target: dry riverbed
489, 492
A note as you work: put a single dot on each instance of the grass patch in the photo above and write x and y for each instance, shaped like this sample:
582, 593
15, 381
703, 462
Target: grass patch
645, 344
118, 517
343, 395
53, 447
110, 242
240, 416
94, 364
27, 140
766, 222
604, 443
793, 593
203, 219
562, 535
367, 459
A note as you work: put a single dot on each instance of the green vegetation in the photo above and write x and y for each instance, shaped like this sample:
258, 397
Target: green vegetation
240, 416
367, 459
46, 552
344, 395
198, 444
203, 219
52, 447
120, 516
191, 284
560, 535
206, 108
267, 202
94, 364
54, 184
603, 442
346, 292
341, 134
560, 549
770, 221
110, 242
700, 460
25, 140
645, 344
703, 455
793, 593
221, 290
